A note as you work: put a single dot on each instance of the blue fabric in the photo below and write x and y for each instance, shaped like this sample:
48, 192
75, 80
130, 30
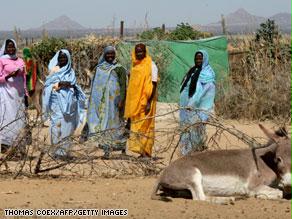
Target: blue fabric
66, 96
103, 112
61, 127
207, 75
64, 108
200, 104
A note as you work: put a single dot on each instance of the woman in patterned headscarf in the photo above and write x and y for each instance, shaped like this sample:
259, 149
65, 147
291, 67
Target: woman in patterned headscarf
106, 103
197, 95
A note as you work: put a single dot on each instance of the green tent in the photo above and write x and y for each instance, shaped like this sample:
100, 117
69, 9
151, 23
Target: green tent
174, 58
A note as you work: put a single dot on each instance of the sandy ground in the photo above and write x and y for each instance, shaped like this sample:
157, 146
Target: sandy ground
133, 193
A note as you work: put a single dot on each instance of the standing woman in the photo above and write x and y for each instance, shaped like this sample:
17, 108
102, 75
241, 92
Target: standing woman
141, 102
12, 93
106, 103
197, 96
63, 102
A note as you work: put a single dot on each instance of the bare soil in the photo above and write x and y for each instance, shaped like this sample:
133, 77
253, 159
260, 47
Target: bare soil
133, 193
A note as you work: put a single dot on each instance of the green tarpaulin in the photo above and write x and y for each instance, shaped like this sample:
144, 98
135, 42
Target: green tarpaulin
174, 58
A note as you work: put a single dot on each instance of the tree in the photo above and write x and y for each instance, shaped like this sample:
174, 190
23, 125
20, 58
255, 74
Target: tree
184, 31
267, 39
267, 33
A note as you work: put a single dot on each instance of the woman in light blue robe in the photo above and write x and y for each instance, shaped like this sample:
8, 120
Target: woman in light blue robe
63, 102
106, 103
197, 96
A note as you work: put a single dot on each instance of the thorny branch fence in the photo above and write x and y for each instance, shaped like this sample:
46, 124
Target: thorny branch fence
30, 155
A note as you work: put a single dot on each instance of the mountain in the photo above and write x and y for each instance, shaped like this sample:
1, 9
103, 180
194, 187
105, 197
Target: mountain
61, 23
241, 17
282, 19
242, 21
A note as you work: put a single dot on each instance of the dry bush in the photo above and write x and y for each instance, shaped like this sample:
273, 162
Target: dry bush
259, 84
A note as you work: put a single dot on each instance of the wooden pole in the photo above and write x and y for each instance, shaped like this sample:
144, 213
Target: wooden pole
122, 30
223, 24
163, 28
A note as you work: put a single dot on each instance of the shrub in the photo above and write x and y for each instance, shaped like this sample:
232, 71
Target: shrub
182, 31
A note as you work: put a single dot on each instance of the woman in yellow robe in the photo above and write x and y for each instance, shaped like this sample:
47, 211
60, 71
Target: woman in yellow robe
141, 103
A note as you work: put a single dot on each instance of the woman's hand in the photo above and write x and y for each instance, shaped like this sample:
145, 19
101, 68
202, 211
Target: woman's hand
56, 87
15, 73
26, 101
121, 105
64, 84
12, 74
148, 107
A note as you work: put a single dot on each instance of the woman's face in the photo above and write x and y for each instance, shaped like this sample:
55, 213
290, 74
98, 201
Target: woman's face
62, 59
110, 57
140, 53
199, 60
10, 49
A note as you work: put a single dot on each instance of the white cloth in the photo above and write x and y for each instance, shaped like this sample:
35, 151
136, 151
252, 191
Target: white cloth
154, 72
12, 115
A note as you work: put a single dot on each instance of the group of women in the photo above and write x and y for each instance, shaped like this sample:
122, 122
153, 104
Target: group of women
117, 99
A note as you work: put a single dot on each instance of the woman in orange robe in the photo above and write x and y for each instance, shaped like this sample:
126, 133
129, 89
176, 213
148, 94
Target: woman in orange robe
141, 103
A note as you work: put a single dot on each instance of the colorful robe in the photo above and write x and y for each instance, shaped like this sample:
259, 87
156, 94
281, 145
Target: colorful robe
32, 70
139, 91
103, 111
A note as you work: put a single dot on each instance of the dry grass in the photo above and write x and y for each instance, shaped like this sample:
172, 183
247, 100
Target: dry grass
259, 84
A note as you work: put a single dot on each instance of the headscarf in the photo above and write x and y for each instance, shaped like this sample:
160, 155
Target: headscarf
3, 48
66, 73
193, 75
106, 50
207, 75
103, 65
26, 53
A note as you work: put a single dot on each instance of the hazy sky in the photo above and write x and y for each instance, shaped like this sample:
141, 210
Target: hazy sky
100, 13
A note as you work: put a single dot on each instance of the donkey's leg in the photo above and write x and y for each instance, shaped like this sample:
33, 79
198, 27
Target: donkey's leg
196, 186
266, 192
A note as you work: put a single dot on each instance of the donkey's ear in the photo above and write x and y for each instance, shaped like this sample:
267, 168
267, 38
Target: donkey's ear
271, 135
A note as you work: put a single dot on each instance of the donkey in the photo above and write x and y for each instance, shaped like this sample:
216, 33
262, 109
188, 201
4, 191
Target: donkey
221, 176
